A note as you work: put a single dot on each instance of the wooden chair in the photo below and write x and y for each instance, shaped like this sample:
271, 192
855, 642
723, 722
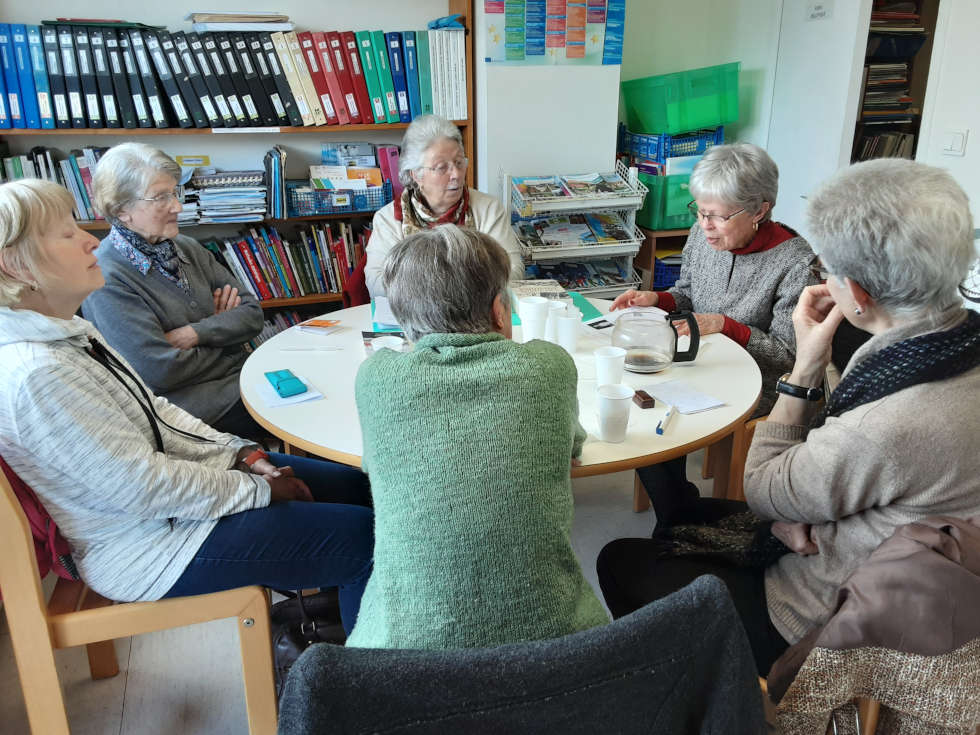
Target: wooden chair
867, 713
78, 616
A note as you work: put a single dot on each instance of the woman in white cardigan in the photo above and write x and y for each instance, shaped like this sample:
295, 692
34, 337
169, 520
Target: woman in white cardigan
432, 168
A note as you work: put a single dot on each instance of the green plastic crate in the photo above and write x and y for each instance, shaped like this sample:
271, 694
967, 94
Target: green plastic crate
665, 207
686, 100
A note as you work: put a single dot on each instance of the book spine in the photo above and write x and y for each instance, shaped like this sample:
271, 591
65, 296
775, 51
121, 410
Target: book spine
306, 82
380, 47
315, 258
253, 268
412, 73
234, 259
289, 70
268, 272
338, 57
40, 69
317, 76
261, 239
141, 105
103, 78
397, 61
375, 97
267, 81
25, 75
349, 41
120, 84
15, 110
425, 71
324, 54
281, 254
287, 246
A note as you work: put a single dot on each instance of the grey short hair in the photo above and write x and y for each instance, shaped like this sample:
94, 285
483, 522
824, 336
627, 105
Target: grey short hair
124, 173
740, 174
27, 208
422, 133
901, 229
445, 280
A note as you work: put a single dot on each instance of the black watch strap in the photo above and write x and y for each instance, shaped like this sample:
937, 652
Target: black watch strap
798, 391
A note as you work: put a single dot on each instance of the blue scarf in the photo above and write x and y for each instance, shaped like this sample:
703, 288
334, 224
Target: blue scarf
162, 254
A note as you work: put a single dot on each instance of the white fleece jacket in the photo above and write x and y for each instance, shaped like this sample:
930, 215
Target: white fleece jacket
78, 437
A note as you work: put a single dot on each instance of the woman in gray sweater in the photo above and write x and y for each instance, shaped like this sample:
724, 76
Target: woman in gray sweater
741, 274
895, 443
177, 316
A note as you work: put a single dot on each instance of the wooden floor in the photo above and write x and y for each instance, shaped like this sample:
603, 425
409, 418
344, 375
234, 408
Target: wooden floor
188, 681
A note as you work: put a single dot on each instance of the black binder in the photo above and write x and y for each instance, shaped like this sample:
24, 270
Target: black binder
237, 78
224, 80
262, 104
73, 84
195, 79
103, 78
117, 70
140, 105
208, 76
167, 81
154, 95
86, 72
191, 100
265, 77
56, 79
285, 93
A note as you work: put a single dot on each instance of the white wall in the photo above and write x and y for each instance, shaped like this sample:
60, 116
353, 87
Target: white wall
815, 99
952, 101
234, 150
542, 119
667, 36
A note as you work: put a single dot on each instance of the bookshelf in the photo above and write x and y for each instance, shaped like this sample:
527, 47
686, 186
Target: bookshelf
301, 142
893, 83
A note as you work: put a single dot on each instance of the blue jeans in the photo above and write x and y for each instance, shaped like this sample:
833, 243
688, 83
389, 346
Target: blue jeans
294, 545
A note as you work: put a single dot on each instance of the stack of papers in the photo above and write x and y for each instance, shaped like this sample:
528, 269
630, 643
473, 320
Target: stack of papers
231, 204
683, 397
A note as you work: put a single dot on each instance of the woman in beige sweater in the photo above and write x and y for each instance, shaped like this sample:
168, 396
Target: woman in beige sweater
895, 443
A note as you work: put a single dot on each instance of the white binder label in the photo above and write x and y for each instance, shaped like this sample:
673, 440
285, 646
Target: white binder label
140, 106
202, 61
179, 108
287, 65
61, 106
114, 62
312, 59
99, 61
260, 60
379, 108
304, 109
44, 104
219, 100
250, 106
68, 62
208, 107
14, 106
52, 62
328, 105
392, 105
273, 64
188, 62
156, 108
403, 102
246, 65
83, 64
232, 66
352, 104
75, 101
92, 101
236, 108
277, 104
109, 105
174, 60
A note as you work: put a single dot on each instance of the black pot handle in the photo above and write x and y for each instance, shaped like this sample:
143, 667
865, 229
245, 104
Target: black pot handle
692, 323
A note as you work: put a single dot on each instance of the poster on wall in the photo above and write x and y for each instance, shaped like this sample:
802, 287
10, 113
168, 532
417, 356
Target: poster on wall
552, 32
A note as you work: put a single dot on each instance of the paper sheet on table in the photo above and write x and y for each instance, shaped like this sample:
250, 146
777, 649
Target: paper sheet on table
272, 399
382, 315
683, 397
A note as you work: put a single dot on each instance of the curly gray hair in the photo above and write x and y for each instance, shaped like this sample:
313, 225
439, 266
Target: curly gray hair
740, 174
124, 173
420, 134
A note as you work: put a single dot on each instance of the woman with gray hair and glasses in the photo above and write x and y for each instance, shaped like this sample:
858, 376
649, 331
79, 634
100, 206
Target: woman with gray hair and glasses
177, 315
895, 443
432, 167
741, 273
468, 442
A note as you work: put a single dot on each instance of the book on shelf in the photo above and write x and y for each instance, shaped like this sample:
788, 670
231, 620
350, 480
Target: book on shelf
266, 78
11, 83
371, 79
396, 60
281, 81
318, 75
39, 68
358, 80
338, 56
250, 73
380, 47
540, 187
141, 104
305, 80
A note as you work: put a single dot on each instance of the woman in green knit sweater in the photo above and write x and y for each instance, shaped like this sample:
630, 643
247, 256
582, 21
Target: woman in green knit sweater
468, 440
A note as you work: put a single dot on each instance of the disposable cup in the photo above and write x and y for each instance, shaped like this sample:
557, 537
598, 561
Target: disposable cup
533, 308
555, 310
568, 329
609, 363
532, 328
614, 411
390, 342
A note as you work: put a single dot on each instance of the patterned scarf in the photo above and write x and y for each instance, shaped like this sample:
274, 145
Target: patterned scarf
162, 255
921, 359
415, 215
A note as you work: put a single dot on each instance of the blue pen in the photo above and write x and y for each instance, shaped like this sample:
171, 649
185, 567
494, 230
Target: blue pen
665, 421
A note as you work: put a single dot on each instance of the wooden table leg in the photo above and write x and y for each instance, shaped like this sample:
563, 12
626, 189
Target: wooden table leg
641, 501
721, 457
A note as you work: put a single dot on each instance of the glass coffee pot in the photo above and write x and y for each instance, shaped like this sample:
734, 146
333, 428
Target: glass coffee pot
650, 339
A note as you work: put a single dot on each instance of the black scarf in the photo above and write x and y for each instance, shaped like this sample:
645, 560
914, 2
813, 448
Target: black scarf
922, 359
162, 254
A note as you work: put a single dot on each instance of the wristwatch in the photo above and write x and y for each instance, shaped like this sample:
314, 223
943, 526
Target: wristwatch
245, 465
798, 391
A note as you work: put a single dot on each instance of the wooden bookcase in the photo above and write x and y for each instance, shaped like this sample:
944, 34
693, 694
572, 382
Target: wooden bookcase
21, 140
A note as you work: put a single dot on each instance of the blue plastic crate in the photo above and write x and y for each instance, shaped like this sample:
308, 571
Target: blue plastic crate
660, 146
302, 201
664, 275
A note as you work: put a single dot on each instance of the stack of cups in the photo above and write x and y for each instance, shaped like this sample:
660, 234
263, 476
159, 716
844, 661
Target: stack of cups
568, 327
612, 397
533, 311
556, 309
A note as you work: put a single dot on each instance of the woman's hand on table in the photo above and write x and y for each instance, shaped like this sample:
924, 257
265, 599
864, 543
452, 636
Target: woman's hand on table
707, 324
815, 320
634, 298
225, 299
288, 488
183, 338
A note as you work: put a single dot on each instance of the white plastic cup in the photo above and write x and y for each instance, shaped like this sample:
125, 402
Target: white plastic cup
533, 308
556, 309
568, 328
614, 411
533, 328
389, 341
609, 362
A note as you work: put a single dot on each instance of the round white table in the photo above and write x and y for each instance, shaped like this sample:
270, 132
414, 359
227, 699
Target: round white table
329, 427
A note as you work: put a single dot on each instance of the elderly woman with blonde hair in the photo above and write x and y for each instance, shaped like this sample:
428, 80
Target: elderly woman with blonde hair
176, 314
152, 501
432, 167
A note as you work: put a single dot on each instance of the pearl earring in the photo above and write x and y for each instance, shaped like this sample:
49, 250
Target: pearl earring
858, 310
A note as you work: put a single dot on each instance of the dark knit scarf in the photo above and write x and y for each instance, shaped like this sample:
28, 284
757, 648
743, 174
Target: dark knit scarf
414, 213
162, 254
922, 359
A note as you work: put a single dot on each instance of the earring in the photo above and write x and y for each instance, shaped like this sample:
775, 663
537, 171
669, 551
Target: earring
858, 310
33, 286
755, 226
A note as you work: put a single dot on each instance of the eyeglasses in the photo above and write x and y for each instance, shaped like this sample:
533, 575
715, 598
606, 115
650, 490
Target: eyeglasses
442, 169
715, 219
162, 200
818, 270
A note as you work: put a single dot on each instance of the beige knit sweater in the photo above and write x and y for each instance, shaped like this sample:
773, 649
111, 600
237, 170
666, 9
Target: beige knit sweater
858, 477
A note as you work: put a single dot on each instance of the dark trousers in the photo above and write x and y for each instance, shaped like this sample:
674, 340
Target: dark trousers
631, 574
294, 545
238, 421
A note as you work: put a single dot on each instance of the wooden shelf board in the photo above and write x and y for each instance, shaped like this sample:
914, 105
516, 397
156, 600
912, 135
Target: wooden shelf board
316, 298
100, 226
138, 132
